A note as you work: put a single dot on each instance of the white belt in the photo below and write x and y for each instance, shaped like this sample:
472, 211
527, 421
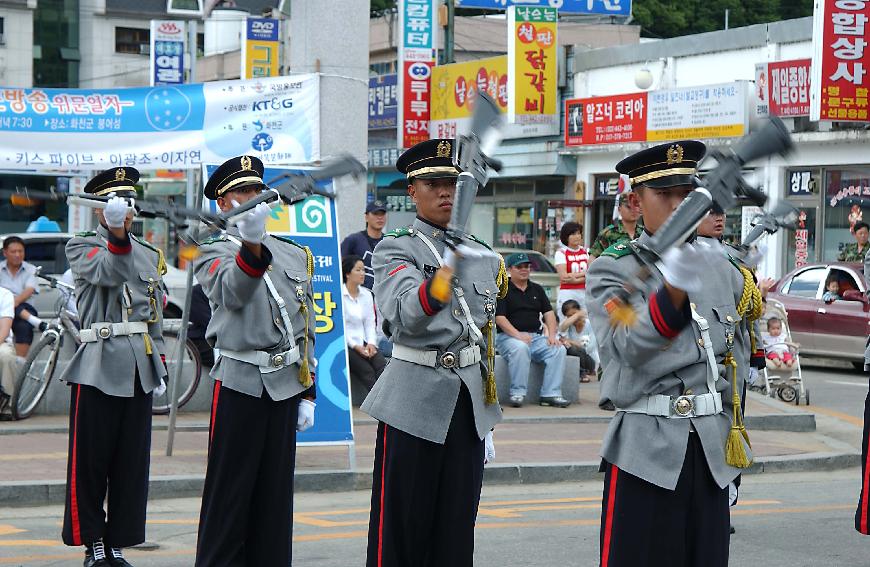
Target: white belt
677, 407
268, 362
433, 359
108, 330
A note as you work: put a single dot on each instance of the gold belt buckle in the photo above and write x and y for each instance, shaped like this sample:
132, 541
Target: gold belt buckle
278, 360
448, 360
105, 332
684, 406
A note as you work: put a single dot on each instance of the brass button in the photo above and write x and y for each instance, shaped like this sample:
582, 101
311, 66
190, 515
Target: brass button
457, 312
269, 267
278, 321
689, 392
487, 291
729, 318
701, 343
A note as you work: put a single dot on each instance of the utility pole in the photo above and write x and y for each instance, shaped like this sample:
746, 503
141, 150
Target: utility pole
447, 55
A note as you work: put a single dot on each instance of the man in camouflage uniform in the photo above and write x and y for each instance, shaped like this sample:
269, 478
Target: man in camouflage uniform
112, 376
629, 227
436, 401
855, 251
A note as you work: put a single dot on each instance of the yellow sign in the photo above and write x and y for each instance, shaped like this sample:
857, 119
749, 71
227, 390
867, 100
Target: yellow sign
454, 88
696, 133
260, 48
532, 53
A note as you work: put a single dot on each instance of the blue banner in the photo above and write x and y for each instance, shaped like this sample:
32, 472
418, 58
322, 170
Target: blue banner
313, 223
168, 62
598, 7
383, 98
262, 29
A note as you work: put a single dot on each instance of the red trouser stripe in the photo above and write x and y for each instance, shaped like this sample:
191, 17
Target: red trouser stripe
381, 515
865, 493
73, 492
214, 403
608, 520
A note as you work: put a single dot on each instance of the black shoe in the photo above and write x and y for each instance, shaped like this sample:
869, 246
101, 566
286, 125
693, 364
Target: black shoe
4, 402
608, 406
732, 530
116, 559
43, 326
95, 555
554, 401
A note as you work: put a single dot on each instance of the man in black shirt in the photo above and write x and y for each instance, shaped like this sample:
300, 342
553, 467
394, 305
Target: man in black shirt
363, 243
520, 339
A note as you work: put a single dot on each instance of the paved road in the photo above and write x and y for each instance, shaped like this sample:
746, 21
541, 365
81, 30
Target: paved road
785, 520
835, 388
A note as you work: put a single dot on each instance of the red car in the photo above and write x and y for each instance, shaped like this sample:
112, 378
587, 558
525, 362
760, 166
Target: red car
835, 329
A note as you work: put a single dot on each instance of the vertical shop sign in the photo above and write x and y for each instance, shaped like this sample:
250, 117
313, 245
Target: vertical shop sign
417, 45
168, 39
801, 241
532, 70
839, 84
260, 48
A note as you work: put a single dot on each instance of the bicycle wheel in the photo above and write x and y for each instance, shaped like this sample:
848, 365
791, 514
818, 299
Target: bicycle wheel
35, 375
190, 373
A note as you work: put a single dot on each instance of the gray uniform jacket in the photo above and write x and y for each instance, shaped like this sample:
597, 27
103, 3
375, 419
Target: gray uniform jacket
653, 357
103, 270
245, 316
417, 399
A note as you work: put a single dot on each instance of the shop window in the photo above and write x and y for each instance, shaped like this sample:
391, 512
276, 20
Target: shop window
189, 7
514, 227
847, 193
135, 41
2, 33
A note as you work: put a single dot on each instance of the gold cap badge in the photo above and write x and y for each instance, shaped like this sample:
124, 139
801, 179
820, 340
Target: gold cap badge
443, 149
675, 154
119, 174
246, 163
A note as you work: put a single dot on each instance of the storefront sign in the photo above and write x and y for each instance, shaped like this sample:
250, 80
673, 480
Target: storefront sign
839, 86
606, 120
783, 88
800, 183
455, 87
275, 119
710, 111
417, 45
532, 92
168, 41
600, 7
801, 240
261, 45
383, 157
382, 102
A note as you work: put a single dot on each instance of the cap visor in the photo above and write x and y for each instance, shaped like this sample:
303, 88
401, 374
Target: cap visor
671, 181
436, 176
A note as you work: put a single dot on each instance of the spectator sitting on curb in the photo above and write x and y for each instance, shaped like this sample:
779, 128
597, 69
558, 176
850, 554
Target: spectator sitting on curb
520, 339
366, 362
578, 338
19, 277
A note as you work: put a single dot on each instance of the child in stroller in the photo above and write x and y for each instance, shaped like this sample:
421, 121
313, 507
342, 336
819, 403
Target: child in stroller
777, 349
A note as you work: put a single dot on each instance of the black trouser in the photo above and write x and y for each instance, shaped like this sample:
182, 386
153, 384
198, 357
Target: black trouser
862, 514
425, 495
109, 450
366, 370
22, 329
587, 363
247, 503
644, 525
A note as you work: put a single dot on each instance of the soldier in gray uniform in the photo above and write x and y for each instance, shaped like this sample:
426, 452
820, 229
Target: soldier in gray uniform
112, 375
862, 512
665, 494
436, 400
259, 287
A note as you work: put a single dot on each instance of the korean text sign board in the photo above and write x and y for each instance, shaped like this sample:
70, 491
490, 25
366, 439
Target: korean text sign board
532, 69
606, 120
383, 96
418, 31
168, 40
312, 223
782, 88
260, 48
166, 127
839, 85
455, 88
600, 7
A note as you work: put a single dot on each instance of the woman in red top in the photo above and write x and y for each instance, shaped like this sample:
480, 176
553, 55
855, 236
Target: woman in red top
571, 261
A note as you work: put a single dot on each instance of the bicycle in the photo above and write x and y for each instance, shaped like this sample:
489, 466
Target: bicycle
36, 373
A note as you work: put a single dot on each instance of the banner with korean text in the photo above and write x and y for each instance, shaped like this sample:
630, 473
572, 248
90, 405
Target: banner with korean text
168, 46
606, 119
166, 127
839, 84
584, 7
260, 48
312, 223
418, 26
782, 88
382, 102
455, 87
532, 92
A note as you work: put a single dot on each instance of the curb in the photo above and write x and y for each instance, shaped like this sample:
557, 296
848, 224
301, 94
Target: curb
44, 493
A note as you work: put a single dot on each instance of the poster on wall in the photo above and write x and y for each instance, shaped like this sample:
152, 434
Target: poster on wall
166, 127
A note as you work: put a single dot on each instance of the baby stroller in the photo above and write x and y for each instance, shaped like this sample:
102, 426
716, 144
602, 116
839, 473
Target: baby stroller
783, 381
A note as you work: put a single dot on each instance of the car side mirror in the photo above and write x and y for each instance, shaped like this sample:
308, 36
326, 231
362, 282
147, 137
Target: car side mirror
855, 295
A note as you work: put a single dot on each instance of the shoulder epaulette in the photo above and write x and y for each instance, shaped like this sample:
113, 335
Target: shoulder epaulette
213, 239
161, 259
309, 257
404, 231
86, 233
618, 250
480, 241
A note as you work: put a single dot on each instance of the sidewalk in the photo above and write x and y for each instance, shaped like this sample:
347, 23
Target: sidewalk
533, 444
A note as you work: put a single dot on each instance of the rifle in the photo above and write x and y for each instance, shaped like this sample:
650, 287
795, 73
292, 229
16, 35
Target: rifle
782, 215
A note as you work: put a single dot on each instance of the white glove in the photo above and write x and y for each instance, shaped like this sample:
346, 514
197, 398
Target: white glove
755, 256
116, 209
252, 225
305, 420
681, 266
488, 448
160, 389
753, 376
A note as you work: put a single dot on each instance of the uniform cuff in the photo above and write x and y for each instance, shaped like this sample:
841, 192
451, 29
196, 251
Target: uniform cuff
666, 318
430, 305
119, 245
758, 360
250, 264
310, 392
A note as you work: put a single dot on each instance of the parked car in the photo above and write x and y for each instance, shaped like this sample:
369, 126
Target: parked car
835, 329
543, 271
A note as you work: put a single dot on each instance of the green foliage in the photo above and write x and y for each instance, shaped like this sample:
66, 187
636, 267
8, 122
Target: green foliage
671, 18
379, 7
